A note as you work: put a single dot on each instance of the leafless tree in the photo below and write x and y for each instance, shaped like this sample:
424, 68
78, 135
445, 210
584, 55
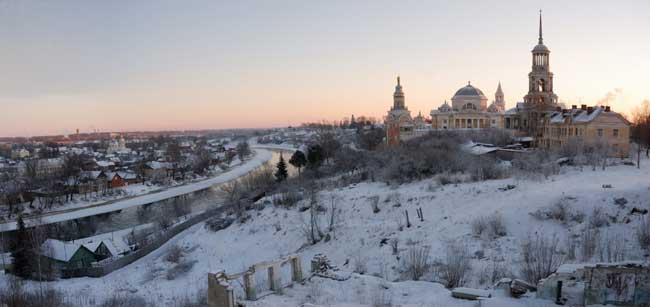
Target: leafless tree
641, 128
541, 256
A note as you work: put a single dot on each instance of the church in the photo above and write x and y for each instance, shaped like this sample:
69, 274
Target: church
538, 121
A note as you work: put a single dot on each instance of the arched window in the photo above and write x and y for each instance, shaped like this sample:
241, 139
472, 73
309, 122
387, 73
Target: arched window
541, 85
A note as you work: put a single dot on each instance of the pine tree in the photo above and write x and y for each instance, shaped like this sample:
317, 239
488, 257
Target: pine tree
22, 253
298, 160
281, 173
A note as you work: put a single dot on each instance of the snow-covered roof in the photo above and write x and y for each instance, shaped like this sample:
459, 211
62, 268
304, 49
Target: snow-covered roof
90, 174
128, 175
479, 148
102, 163
59, 250
158, 165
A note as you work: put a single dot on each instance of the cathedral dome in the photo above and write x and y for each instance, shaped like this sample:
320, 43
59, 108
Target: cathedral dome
469, 90
541, 48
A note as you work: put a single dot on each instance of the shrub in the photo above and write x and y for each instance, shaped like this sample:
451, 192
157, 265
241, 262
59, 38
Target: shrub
643, 234
218, 223
180, 269
598, 218
121, 300
382, 299
15, 296
612, 248
174, 254
417, 262
456, 265
374, 203
493, 226
540, 257
359, 265
588, 243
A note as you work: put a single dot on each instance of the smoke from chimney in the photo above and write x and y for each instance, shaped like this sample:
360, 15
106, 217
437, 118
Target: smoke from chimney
610, 97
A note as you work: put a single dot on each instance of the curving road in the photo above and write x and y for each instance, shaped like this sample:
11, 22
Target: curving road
261, 157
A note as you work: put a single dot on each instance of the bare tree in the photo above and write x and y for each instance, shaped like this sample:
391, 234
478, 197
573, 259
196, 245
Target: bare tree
641, 128
541, 257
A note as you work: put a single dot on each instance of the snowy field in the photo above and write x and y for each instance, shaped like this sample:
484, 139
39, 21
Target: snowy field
448, 213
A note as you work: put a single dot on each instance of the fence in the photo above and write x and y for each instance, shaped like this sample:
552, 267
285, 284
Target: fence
106, 268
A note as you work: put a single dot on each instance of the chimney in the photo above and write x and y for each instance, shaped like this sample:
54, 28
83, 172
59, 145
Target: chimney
573, 107
608, 109
590, 109
583, 107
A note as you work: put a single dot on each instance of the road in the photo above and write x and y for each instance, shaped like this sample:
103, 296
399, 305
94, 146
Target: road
260, 158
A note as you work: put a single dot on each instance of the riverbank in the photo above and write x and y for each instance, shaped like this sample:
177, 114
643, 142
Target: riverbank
261, 157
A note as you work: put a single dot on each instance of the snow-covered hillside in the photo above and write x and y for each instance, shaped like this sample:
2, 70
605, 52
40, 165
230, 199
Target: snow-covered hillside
360, 234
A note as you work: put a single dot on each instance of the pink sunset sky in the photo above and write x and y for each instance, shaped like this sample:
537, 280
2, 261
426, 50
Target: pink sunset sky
159, 65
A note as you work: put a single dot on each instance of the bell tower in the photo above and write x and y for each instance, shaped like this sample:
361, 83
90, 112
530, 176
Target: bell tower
398, 97
540, 99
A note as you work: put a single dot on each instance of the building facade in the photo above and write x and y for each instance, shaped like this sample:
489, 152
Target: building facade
469, 110
537, 121
597, 128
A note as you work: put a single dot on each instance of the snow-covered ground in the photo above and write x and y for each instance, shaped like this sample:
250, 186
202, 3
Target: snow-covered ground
448, 212
261, 156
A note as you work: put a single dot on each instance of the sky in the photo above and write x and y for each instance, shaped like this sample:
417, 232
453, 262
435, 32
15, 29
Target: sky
176, 65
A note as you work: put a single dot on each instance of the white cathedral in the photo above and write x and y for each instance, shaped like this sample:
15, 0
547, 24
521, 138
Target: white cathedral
469, 107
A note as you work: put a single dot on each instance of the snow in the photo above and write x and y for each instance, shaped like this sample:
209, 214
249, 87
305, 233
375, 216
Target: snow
448, 211
59, 250
262, 156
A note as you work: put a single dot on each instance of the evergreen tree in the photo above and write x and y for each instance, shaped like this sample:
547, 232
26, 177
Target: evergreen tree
298, 160
281, 173
22, 252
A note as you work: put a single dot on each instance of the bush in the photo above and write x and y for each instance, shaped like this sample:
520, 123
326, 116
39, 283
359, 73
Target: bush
417, 262
456, 265
540, 257
174, 254
15, 296
643, 234
118, 300
588, 243
218, 223
491, 226
598, 218
180, 269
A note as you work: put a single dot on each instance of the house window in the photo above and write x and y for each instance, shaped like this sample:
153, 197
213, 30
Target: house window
444, 121
615, 132
600, 132
615, 148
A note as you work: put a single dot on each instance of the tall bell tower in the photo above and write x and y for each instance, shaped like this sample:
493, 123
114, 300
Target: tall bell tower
540, 99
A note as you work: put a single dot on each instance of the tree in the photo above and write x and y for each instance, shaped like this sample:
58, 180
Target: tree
314, 156
281, 173
370, 139
72, 166
329, 144
22, 252
174, 155
201, 160
243, 150
298, 160
641, 128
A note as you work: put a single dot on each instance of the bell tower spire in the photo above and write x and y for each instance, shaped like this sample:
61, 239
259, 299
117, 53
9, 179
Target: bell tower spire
541, 39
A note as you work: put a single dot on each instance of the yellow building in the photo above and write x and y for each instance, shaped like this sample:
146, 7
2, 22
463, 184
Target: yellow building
596, 127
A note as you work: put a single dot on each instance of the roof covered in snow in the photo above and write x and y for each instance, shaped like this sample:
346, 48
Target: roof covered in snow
59, 250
